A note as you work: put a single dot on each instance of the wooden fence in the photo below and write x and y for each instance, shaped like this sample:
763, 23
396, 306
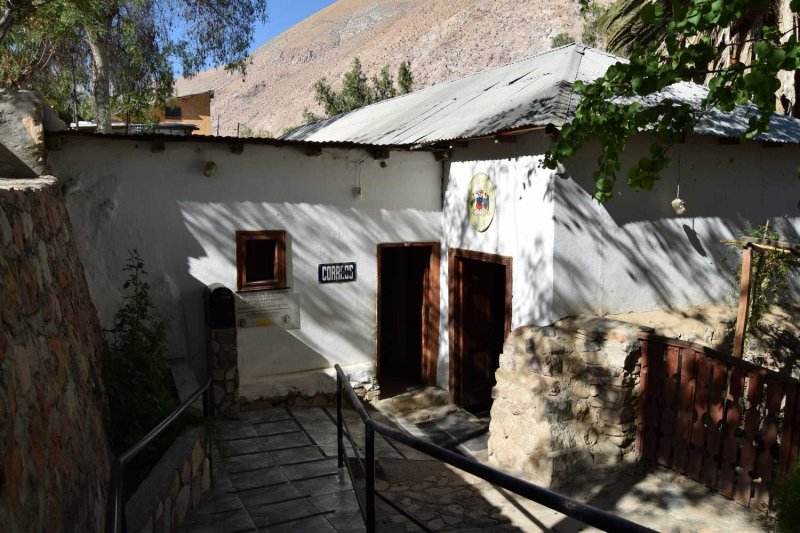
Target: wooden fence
727, 423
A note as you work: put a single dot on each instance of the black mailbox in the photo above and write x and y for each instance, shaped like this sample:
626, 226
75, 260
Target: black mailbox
220, 307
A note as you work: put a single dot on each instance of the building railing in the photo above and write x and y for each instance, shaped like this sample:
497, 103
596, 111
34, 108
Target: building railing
579, 511
115, 512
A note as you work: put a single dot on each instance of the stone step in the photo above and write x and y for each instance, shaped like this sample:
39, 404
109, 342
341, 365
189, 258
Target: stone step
417, 404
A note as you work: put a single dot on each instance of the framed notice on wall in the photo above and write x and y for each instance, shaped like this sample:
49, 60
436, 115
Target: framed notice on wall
268, 308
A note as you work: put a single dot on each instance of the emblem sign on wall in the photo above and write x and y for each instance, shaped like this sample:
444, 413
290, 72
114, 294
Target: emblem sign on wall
481, 202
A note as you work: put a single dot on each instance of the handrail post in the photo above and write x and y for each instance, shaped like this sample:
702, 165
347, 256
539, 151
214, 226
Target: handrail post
115, 511
339, 430
369, 444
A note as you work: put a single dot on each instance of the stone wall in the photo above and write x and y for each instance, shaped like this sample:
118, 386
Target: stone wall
566, 399
174, 486
54, 455
223, 360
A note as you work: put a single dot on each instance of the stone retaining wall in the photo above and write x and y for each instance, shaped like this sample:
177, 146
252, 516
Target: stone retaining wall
174, 486
566, 399
54, 454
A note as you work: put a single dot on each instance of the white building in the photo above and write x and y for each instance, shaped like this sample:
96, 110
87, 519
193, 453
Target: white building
386, 187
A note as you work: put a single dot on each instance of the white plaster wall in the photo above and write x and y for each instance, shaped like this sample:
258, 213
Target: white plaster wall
635, 254
522, 227
121, 196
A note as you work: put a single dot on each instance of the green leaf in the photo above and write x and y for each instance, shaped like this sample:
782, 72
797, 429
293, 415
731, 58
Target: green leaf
648, 13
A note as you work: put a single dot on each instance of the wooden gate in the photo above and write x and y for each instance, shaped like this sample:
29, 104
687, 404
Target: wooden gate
727, 423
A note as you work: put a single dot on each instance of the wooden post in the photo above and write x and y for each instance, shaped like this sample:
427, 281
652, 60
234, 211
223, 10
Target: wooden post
744, 301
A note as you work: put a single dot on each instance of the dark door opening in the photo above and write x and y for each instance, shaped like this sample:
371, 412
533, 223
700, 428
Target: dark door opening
408, 315
480, 321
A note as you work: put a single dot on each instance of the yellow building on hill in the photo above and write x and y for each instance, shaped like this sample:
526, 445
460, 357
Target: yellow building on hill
194, 109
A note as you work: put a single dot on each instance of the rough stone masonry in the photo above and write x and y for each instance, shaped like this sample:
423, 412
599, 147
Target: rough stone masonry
54, 456
566, 399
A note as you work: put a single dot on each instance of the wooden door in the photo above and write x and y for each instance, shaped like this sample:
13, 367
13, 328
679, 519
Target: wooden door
480, 322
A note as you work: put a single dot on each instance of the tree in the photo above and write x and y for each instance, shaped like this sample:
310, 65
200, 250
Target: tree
405, 80
357, 91
383, 86
126, 45
681, 49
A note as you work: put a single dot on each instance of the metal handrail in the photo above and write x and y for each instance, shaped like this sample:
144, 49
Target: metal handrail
587, 514
115, 513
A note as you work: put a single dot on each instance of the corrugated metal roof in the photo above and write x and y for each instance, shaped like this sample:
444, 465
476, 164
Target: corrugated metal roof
712, 121
222, 139
535, 91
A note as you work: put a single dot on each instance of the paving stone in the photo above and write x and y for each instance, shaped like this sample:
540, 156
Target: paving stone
253, 498
266, 415
347, 521
249, 462
234, 448
296, 455
307, 470
307, 416
235, 430
335, 501
258, 478
314, 524
289, 440
275, 427
219, 522
324, 485
267, 516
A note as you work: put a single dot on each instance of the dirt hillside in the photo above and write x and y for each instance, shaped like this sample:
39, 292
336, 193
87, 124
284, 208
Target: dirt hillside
442, 40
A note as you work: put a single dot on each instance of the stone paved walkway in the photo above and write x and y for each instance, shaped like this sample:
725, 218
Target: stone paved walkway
278, 473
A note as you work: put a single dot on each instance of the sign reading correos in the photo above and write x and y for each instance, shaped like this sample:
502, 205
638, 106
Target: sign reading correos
481, 202
337, 273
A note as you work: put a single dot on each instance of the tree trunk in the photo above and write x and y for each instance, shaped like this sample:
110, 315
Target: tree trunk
787, 97
102, 89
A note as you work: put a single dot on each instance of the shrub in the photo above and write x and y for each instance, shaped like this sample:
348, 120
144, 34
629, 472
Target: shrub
561, 39
135, 372
769, 281
786, 502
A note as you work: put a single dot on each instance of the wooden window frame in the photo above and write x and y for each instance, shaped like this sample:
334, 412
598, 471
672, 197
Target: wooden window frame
279, 236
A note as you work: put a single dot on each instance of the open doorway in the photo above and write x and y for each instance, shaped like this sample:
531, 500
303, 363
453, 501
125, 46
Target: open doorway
480, 321
408, 315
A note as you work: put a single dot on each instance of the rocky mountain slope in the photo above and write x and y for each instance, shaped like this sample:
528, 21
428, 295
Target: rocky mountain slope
442, 40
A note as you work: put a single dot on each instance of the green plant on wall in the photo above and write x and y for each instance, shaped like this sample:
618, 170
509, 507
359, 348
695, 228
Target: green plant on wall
135, 372
769, 279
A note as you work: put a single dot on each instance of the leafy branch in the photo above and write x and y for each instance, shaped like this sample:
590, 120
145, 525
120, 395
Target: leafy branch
611, 109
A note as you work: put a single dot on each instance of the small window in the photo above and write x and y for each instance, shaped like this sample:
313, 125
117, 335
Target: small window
260, 260
172, 112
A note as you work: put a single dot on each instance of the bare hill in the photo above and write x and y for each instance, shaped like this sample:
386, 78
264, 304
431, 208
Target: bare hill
442, 40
